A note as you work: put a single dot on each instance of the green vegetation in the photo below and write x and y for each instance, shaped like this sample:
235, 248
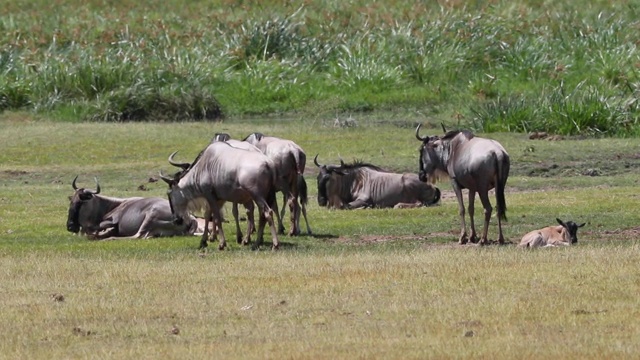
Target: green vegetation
565, 67
367, 283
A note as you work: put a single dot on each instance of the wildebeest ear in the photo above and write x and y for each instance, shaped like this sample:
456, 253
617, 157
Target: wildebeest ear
581, 225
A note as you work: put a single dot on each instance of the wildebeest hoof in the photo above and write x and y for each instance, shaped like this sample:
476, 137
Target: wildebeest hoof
221, 247
275, 247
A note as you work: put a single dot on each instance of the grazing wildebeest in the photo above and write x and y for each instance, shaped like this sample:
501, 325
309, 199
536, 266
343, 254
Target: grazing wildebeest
564, 234
223, 173
472, 163
290, 161
102, 217
360, 185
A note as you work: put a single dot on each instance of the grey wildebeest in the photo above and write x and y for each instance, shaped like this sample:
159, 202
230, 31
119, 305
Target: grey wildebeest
472, 163
223, 173
102, 217
564, 234
290, 161
359, 185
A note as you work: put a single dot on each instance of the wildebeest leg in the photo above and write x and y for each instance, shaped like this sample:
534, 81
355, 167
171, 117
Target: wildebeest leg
463, 233
486, 204
274, 207
205, 232
266, 216
235, 216
472, 200
500, 235
217, 216
294, 207
359, 203
304, 213
251, 225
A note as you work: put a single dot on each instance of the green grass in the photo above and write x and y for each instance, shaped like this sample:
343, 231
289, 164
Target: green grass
367, 284
563, 67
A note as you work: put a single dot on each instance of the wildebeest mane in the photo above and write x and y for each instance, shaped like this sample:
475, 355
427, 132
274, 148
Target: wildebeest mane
356, 164
451, 134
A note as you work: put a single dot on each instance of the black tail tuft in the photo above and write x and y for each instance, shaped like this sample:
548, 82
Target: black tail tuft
302, 190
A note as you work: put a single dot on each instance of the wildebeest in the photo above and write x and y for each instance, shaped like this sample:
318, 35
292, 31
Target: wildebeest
290, 161
564, 234
102, 217
223, 173
472, 163
360, 185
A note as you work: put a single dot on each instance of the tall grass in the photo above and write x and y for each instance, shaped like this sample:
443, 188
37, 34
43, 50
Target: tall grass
204, 60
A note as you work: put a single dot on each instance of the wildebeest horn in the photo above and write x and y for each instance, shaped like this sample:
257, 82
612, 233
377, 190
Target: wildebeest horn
341, 163
444, 130
418, 134
166, 179
97, 186
315, 161
73, 184
184, 166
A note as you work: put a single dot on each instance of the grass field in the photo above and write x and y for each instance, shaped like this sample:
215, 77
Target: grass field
565, 67
366, 284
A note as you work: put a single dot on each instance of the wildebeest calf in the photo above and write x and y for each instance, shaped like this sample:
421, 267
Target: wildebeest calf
564, 234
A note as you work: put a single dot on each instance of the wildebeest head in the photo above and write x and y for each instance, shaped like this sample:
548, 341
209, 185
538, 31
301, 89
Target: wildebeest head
432, 157
221, 137
177, 201
324, 175
80, 197
572, 229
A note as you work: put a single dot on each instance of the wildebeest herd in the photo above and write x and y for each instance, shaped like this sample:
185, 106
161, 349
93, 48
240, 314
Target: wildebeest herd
251, 171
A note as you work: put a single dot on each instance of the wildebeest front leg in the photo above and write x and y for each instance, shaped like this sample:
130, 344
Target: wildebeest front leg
472, 201
463, 232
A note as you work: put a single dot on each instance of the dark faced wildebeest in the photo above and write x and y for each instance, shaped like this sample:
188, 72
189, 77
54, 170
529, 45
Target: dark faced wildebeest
564, 234
472, 163
361, 185
102, 217
290, 161
223, 173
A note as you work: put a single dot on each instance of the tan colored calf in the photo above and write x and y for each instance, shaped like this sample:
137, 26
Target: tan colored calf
563, 234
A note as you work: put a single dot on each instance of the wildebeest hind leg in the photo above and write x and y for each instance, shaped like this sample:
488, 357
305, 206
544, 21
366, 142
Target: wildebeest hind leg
486, 204
235, 217
471, 207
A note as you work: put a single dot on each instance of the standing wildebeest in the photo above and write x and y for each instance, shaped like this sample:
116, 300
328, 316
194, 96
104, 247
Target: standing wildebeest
290, 161
364, 185
102, 217
472, 163
223, 173
564, 234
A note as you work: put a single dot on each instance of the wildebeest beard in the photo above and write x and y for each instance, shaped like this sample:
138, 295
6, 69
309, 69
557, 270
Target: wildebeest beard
73, 219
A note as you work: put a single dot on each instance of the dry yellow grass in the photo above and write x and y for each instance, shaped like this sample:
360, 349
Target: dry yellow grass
441, 301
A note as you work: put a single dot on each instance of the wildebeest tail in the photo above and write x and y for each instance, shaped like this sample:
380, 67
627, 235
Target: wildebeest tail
502, 165
302, 190
300, 160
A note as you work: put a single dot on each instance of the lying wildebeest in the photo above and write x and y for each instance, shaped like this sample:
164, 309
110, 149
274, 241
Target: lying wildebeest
290, 161
223, 173
360, 185
102, 217
564, 234
472, 163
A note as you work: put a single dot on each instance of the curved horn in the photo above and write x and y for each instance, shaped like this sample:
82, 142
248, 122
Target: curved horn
184, 166
315, 161
97, 186
166, 179
418, 134
341, 163
73, 183
444, 129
